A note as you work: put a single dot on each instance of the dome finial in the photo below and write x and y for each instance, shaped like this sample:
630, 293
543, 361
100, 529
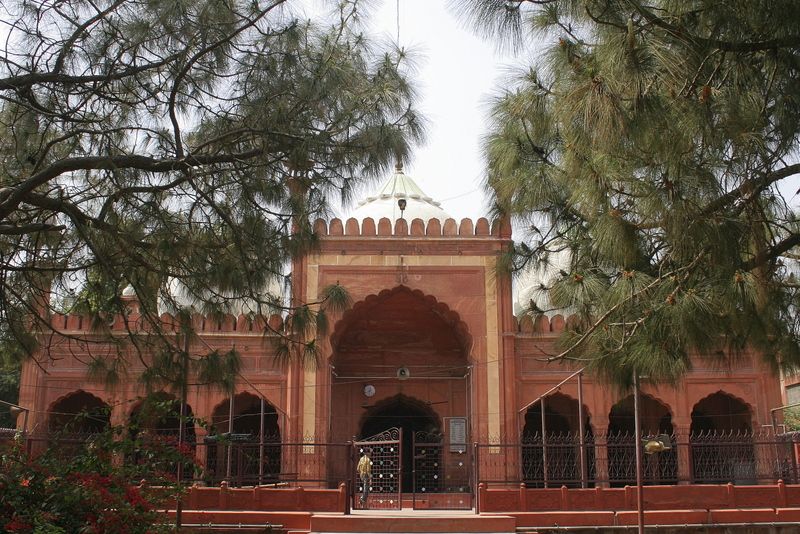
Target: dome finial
398, 167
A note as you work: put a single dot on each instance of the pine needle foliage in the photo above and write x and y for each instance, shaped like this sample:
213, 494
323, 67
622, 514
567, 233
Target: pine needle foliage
656, 140
181, 148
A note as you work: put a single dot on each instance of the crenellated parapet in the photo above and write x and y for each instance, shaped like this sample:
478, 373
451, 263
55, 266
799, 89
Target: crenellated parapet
433, 228
544, 325
134, 322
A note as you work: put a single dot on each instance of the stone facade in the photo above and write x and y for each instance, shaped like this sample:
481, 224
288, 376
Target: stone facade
431, 336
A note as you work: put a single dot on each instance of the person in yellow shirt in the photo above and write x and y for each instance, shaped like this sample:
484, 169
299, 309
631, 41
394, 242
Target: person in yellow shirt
364, 469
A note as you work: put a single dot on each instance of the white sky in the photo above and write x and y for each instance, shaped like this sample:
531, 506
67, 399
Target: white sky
457, 74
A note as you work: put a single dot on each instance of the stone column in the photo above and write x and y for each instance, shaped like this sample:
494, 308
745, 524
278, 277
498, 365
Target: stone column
683, 451
601, 456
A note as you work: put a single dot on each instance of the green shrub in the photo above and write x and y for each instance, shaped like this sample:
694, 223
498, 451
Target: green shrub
87, 486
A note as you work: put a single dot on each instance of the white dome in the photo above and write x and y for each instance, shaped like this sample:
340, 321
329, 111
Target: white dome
129, 291
384, 202
182, 298
533, 284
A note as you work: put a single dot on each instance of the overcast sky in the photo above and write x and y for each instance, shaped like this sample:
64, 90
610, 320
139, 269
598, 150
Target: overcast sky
457, 74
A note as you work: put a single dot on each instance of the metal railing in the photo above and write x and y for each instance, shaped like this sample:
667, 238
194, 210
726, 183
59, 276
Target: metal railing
702, 458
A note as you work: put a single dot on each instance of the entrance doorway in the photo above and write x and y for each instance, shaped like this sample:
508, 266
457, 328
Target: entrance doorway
412, 416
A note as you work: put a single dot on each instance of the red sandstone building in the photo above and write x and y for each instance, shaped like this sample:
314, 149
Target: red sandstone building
431, 345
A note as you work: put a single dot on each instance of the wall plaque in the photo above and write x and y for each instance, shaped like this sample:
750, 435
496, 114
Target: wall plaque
457, 433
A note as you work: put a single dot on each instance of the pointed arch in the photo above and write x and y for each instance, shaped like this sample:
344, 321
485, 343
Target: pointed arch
722, 422
561, 416
656, 418
562, 440
410, 414
79, 412
722, 412
252, 461
401, 318
159, 413
401, 402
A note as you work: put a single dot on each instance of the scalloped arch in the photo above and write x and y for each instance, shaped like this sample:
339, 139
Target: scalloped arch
564, 397
650, 396
750, 409
156, 395
730, 421
71, 394
399, 399
60, 418
370, 301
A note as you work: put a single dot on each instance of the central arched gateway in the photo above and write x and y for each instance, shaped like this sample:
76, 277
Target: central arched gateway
400, 359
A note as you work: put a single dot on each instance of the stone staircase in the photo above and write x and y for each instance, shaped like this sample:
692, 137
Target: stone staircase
361, 521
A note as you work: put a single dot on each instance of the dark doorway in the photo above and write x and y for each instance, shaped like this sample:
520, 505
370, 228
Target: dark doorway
658, 469
562, 441
79, 414
155, 426
412, 416
721, 441
245, 442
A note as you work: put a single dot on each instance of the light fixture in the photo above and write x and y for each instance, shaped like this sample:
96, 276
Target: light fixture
657, 444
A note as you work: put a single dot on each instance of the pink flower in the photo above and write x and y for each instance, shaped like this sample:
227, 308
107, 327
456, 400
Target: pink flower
17, 525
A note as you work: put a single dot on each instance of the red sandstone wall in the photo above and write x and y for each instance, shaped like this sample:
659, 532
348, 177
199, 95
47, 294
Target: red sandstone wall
459, 287
746, 379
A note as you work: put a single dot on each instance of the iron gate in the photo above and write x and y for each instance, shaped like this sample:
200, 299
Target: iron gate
380, 490
442, 473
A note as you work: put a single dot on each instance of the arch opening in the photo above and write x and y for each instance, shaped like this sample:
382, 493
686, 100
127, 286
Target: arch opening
159, 414
656, 419
398, 342
154, 425
79, 413
405, 324
409, 414
721, 441
250, 463
562, 442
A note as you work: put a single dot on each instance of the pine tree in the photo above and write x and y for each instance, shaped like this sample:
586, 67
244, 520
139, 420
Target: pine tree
656, 140
181, 144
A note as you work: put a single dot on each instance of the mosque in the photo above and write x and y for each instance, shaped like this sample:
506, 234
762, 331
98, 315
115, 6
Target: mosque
432, 346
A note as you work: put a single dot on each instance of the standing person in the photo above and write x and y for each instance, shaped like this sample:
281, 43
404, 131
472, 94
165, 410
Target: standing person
364, 469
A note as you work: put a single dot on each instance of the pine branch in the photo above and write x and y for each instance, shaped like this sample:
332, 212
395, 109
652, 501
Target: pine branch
750, 188
12, 196
725, 46
633, 296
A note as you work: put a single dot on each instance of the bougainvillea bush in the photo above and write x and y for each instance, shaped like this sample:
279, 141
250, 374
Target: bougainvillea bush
88, 485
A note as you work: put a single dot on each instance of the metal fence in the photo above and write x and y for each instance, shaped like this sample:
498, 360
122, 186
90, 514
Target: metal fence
563, 459
272, 464
209, 462
555, 460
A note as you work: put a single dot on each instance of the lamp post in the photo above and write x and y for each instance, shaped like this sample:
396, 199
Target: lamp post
638, 444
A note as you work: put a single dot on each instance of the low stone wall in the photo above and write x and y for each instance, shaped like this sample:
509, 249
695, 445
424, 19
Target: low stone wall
295, 499
692, 497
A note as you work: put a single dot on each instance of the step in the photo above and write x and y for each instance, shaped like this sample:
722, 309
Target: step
233, 518
412, 522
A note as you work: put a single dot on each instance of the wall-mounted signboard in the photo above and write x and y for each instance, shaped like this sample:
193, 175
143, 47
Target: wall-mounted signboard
457, 433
